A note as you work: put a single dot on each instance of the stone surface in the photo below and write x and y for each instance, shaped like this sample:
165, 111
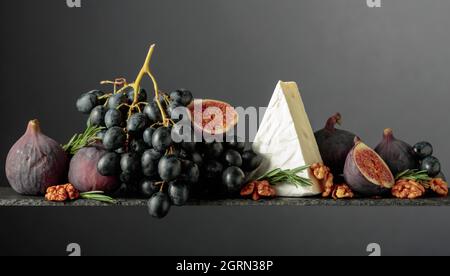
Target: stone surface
9, 198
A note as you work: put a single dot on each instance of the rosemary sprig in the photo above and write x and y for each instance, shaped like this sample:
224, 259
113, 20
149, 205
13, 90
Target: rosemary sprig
98, 196
289, 176
414, 175
82, 140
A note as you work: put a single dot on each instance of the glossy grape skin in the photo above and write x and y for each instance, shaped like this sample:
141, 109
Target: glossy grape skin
153, 112
113, 118
214, 150
233, 158
169, 168
149, 164
432, 165
142, 96
162, 139
97, 116
138, 146
148, 136
148, 188
86, 103
137, 123
251, 161
116, 100
178, 193
191, 172
130, 163
114, 138
233, 178
109, 164
159, 205
182, 96
176, 96
423, 150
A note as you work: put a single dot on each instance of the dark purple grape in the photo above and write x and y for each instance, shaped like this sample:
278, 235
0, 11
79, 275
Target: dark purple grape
130, 163
113, 118
116, 100
191, 172
109, 164
148, 135
162, 139
423, 150
233, 158
97, 117
214, 150
148, 188
251, 161
153, 112
138, 146
149, 164
197, 158
159, 205
235, 143
86, 103
114, 139
142, 96
178, 193
233, 178
432, 165
169, 168
137, 123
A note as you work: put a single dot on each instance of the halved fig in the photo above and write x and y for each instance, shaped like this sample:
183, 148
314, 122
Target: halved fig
365, 171
212, 117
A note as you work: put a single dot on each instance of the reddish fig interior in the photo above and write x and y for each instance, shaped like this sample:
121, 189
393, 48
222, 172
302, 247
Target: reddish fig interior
221, 113
373, 167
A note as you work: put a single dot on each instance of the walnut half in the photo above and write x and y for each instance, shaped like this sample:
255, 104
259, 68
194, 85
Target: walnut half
407, 189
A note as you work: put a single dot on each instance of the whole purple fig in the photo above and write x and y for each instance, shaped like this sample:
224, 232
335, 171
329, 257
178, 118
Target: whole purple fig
83, 173
398, 155
35, 162
334, 144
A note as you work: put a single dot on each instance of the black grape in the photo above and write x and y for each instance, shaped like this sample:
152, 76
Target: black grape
115, 138
97, 117
113, 118
162, 139
109, 164
86, 103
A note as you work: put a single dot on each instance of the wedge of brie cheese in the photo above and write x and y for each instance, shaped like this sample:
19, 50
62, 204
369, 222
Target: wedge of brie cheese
286, 140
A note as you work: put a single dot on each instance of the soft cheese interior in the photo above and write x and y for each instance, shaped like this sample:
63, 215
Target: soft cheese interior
286, 140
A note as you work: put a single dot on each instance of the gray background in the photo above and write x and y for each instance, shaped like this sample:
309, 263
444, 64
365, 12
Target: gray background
385, 67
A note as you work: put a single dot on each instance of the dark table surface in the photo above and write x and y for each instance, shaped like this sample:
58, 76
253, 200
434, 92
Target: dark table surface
9, 198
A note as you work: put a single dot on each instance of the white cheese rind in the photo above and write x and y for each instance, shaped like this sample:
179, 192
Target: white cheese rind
286, 140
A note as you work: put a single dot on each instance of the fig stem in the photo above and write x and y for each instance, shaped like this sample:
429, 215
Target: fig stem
332, 121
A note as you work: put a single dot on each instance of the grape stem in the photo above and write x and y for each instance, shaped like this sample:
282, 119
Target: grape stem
137, 87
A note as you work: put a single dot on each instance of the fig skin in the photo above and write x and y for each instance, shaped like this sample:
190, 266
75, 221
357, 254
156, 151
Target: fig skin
357, 181
334, 144
398, 155
35, 162
83, 173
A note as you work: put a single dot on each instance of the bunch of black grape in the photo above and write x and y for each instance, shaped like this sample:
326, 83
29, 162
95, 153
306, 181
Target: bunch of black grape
140, 147
141, 150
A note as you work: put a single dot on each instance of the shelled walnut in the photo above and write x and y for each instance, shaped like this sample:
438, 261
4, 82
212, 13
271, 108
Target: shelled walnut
342, 191
258, 190
326, 179
62, 193
408, 189
439, 186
